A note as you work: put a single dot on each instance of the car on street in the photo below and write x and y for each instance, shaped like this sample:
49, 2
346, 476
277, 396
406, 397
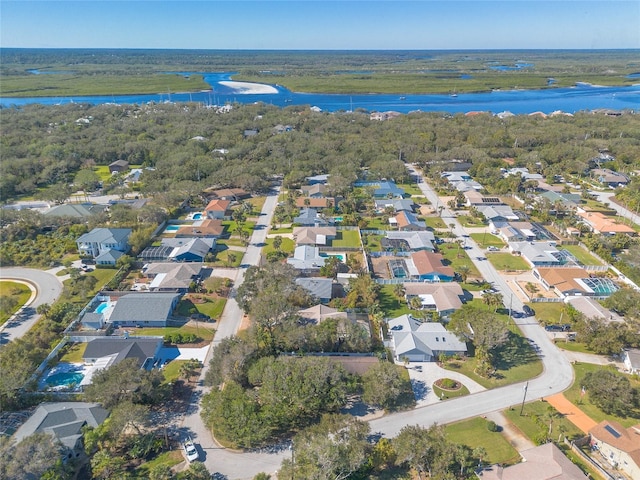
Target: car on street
528, 311
190, 450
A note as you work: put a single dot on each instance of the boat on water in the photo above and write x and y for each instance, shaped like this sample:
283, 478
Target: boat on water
403, 98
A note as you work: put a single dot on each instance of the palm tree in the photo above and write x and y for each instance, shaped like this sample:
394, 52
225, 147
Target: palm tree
463, 271
398, 290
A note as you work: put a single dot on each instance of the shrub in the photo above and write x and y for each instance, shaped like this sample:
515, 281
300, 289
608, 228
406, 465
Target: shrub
492, 426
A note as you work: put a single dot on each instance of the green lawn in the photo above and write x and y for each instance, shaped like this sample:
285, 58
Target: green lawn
447, 394
514, 362
575, 397
474, 433
507, 262
231, 226
281, 230
287, 246
457, 256
529, 425
391, 305
548, 312
212, 307
485, 240
377, 223
171, 371
469, 221
18, 292
572, 346
204, 331
174, 457
74, 352
222, 258
257, 203
372, 242
435, 222
346, 238
582, 255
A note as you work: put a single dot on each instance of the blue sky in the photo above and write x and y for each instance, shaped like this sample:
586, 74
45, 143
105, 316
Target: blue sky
327, 24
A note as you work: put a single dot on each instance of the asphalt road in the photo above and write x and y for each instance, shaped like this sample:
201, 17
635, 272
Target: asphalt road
218, 460
605, 197
556, 377
48, 289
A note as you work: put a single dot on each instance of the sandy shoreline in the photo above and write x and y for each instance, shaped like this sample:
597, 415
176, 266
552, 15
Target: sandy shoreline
249, 88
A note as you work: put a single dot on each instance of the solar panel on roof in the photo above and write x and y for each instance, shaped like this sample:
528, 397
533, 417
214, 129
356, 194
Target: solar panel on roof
612, 431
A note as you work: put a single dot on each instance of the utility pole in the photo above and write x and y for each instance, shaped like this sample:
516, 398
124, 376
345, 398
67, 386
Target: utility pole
293, 461
524, 397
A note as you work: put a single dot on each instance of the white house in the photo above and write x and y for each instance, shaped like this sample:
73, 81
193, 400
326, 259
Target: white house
422, 342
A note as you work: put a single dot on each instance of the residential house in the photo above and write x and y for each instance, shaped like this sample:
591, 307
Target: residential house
568, 201
171, 277
497, 213
108, 351
408, 241
231, 194
600, 223
156, 254
144, 309
591, 308
74, 210
206, 228
316, 190
429, 266
105, 245
523, 172
218, 209
407, 222
422, 342
317, 179
513, 231
541, 254
311, 218
307, 259
631, 360
248, 133
443, 298
473, 198
319, 287
609, 177
194, 250
398, 204
617, 445
318, 313
545, 462
455, 177
314, 235
468, 186
574, 281
118, 166
387, 189
315, 202
64, 421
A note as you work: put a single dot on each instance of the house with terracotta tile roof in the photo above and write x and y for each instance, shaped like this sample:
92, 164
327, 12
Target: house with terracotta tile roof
429, 266
407, 222
574, 281
232, 194
546, 462
218, 209
605, 225
315, 202
205, 228
619, 446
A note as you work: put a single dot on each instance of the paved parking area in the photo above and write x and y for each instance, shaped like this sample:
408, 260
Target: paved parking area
424, 374
177, 353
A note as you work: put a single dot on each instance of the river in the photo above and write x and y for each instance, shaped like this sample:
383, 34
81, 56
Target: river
579, 98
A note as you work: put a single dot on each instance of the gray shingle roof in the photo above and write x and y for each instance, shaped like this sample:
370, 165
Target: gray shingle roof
104, 235
138, 348
143, 307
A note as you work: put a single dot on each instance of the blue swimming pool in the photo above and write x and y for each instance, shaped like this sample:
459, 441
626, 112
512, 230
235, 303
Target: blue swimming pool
340, 256
102, 307
64, 379
197, 216
172, 228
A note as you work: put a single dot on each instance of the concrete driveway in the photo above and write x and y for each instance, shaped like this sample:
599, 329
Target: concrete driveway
424, 374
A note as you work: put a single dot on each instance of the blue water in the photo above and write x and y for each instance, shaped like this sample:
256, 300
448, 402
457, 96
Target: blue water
197, 216
64, 379
102, 307
339, 256
571, 100
172, 228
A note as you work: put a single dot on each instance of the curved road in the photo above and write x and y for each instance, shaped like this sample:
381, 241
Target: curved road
556, 377
48, 289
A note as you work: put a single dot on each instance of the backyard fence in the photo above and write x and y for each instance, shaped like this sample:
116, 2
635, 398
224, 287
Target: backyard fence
590, 461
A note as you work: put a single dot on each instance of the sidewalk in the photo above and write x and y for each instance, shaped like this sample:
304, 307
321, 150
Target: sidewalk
572, 412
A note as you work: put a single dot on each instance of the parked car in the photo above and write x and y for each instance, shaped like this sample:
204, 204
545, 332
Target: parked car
190, 450
493, 249
529, 312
